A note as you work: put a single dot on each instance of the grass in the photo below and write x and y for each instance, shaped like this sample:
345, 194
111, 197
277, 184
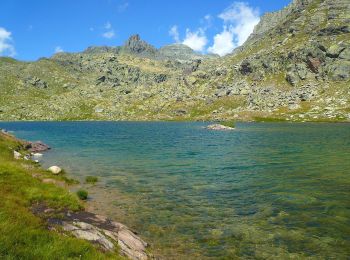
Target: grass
24, 235
228, 123
82, 194
268, 119
91, 179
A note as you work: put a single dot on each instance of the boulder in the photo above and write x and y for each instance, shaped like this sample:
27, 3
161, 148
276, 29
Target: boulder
313, 64
180, 112
345, 54
37, 156
36, 82
222, 93
292, 78
100, 80
17, 155
334, 51
55, 170
246, 67
36, 147
301, 70
334, 30
339, 70
160, 78
99, 110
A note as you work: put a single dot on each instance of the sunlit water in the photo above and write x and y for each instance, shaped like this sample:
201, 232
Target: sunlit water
262, 191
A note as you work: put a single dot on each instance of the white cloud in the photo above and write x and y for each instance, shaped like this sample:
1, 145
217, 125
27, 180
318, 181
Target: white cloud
122, 7
58, 49
207, 17
174, 32
207, 21
109, 33
223, 43
108, 26
240, 20
196, 40
6, 47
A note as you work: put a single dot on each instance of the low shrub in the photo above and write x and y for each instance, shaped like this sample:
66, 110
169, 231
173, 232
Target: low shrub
82, 194
91, 179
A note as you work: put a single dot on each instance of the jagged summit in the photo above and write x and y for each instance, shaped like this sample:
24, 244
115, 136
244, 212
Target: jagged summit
138, 46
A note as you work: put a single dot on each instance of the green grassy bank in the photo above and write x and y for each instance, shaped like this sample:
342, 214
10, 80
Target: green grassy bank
24, 235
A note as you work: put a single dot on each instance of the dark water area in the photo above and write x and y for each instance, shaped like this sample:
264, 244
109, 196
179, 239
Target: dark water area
262, 191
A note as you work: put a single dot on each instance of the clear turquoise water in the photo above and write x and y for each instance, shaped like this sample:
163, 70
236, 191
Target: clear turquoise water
263, 191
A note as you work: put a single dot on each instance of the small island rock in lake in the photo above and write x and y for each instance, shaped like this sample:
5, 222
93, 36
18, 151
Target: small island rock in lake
219, 127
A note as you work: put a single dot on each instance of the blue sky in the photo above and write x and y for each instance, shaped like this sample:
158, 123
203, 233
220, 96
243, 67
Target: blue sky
37, 28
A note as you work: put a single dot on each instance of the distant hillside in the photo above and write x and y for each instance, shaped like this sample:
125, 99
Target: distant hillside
295, 66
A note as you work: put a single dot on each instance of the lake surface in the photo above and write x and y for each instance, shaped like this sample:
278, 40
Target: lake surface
263, 191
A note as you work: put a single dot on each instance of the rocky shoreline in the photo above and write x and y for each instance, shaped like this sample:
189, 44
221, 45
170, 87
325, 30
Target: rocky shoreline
101, 231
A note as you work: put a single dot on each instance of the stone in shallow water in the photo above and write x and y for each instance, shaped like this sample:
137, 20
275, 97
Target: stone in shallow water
37, 155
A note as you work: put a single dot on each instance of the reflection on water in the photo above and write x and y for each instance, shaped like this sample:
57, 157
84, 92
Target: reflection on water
267, 191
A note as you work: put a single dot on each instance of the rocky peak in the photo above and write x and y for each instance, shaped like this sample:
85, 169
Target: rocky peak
138, 46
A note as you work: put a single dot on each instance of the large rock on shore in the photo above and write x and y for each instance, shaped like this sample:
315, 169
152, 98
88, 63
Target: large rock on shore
17, 155
36, 147
55, 170
106, 233
98, 230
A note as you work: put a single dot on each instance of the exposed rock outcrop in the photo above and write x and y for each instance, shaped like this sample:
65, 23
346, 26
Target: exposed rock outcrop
97, 229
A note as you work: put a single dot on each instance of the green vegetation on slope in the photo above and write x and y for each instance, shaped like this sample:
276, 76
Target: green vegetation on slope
24, 235
298, 54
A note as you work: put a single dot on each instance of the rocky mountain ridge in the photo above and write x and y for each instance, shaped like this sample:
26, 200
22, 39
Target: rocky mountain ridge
295, 66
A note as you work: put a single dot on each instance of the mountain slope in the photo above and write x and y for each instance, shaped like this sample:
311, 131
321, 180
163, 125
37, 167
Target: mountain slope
295, 66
